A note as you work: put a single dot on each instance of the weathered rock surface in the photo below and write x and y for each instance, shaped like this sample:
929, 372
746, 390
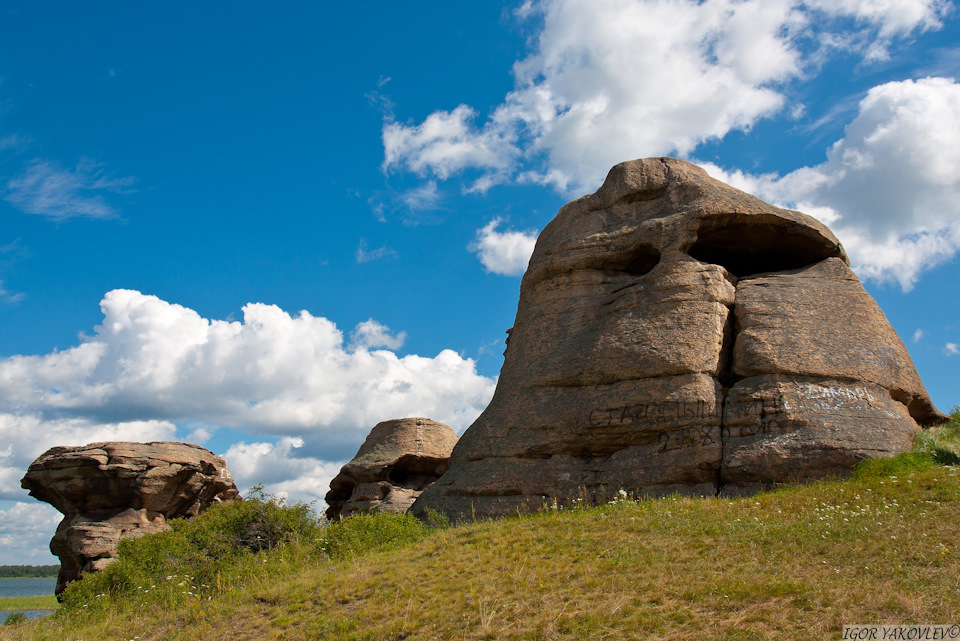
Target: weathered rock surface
111, 491
397, 461
676, 334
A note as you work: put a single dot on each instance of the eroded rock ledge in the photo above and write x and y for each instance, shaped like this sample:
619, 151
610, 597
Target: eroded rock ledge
675, 334
111, 491
397, 461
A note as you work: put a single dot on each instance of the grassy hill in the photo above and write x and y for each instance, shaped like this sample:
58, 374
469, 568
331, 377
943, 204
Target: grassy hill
796, 563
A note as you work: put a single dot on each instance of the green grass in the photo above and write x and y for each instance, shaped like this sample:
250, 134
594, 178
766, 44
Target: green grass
45, 602
942, 442
796, 563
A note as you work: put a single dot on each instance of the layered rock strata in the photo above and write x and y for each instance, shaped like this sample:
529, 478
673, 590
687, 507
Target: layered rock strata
397, 461
675, 334
111, 491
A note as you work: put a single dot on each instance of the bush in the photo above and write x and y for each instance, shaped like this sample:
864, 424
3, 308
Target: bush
257, 523
16, 617
362, 533
902, 464
942, 442
938, 445
192, 556
227, 547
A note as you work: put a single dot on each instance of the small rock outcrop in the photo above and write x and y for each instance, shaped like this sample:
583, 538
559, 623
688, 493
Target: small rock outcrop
397, 461
111, 491
675, 334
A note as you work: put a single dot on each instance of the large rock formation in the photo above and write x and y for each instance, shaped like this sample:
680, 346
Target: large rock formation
397, 461
111, 491
676, 334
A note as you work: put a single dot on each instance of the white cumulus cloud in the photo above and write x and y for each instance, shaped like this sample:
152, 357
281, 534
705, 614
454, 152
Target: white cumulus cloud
610, 80
25, 531
28, 435
892, 17
890, 188
445, 143
152, 365
281, 470
506, 252
371, 334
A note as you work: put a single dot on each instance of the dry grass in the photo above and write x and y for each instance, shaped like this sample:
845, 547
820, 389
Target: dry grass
793, 564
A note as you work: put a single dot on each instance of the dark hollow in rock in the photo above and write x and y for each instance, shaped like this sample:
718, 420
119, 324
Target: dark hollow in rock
636, 261
675, 334
756, 246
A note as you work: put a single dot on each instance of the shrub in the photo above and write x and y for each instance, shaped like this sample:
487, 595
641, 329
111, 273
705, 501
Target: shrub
942, 443
902, 464
938, 445
227, 547
190, 558
437, 520
257, 523
361, 533
16, 617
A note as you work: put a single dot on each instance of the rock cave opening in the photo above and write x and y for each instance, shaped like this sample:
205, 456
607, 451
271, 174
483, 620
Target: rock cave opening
746, 249
416, 472
637, 261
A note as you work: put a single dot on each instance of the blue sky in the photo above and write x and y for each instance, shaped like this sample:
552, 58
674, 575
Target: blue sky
267, 230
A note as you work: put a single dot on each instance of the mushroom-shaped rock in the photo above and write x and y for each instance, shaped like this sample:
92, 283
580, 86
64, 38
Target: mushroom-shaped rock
398, 460
675, 334
111, 491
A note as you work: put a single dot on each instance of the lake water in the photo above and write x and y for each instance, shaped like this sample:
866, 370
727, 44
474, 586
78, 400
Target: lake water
30, 614
26, 587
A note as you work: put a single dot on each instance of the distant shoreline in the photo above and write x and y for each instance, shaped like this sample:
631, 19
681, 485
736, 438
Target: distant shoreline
29, 571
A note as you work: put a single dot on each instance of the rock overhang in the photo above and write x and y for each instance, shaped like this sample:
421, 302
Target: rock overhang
114, 490
674, 333
396, 462
587, 233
